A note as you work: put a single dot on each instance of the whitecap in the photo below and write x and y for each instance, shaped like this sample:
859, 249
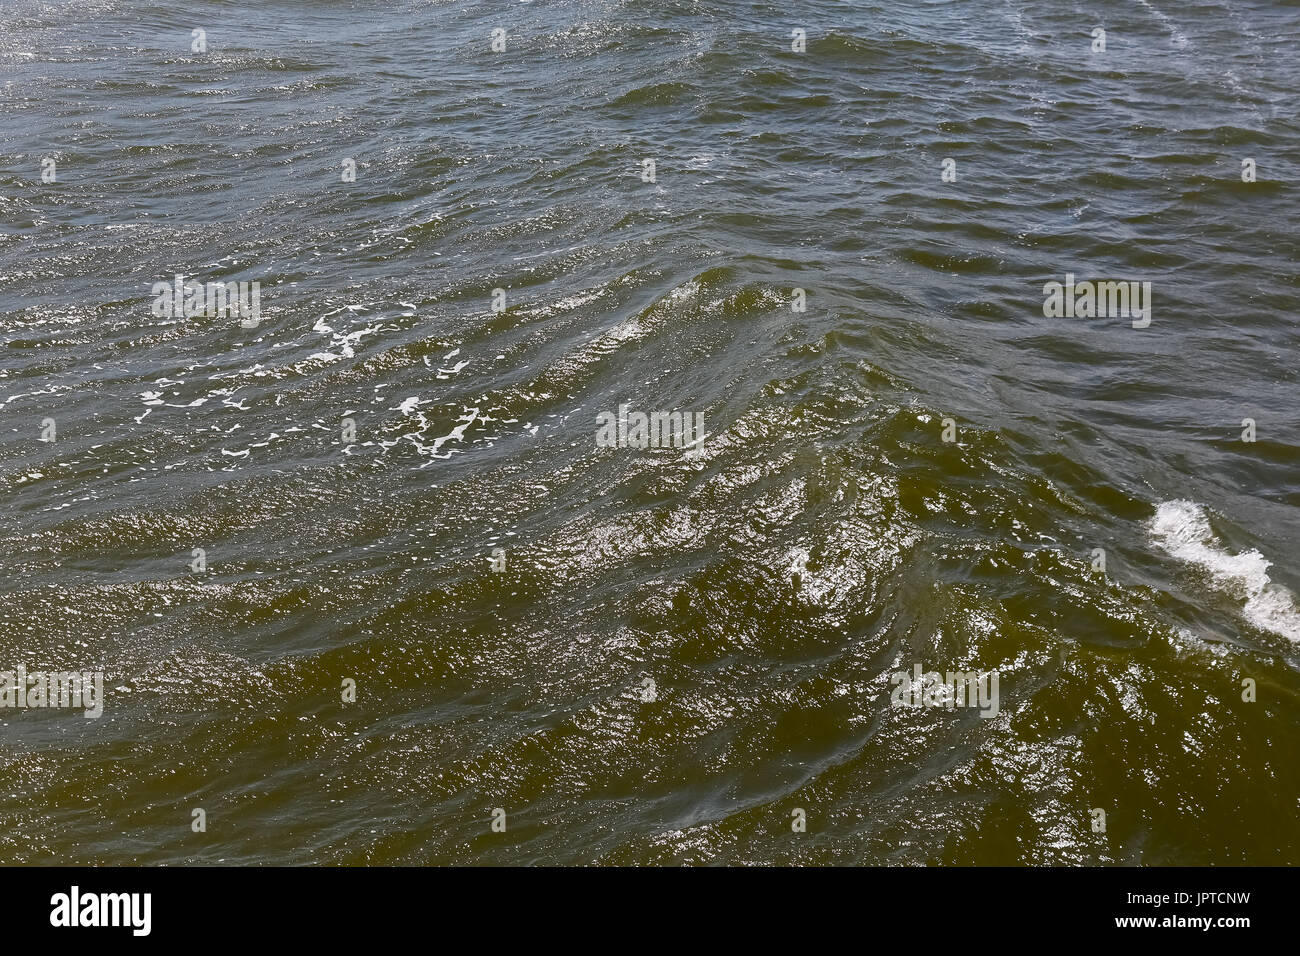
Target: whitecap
1182, 529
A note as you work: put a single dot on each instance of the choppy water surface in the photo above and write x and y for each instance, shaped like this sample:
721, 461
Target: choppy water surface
768, 580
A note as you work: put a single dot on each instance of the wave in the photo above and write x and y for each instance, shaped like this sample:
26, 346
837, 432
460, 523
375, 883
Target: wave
1182, 529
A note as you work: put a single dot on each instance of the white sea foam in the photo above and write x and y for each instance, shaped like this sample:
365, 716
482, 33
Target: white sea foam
1182, 529
1177, 35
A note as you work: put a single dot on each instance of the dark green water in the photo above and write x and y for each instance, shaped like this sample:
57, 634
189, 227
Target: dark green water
769, 579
